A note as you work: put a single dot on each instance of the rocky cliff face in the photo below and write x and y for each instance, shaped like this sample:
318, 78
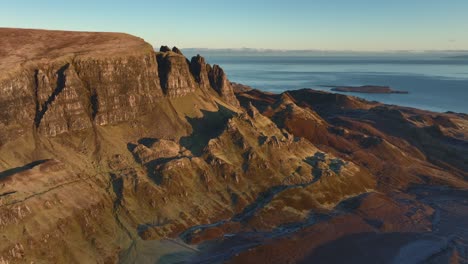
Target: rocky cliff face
72, 95
75, 89
199, 68
175, 76
221, 84
108, 150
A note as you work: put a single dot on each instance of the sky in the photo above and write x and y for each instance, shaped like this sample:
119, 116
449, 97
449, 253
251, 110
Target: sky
359, 25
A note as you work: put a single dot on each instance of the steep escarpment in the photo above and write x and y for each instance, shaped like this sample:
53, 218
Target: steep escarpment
179, 76
111, 152
72, 95
221, 84
199, 68
174, 74
80, 80
69, 86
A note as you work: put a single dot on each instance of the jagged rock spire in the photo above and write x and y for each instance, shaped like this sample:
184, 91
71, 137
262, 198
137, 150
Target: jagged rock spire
164, 49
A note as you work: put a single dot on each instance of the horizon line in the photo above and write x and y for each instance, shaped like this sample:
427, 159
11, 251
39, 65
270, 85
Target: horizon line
155, 47
320, 50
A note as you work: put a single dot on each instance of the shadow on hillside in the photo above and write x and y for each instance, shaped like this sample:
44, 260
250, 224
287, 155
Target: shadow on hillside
204, 128
8, 173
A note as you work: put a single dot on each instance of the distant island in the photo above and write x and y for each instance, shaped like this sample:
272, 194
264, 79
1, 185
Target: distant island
366, 89
459, 57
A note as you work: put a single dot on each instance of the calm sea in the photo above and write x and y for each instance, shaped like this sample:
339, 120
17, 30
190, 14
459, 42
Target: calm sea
435, 82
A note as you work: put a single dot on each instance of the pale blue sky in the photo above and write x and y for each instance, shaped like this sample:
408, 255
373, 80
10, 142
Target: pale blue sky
286, 24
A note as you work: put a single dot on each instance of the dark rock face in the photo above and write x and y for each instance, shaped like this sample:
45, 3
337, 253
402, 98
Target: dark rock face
174, 74
214, 78
164, 49
176, 50
199, 69
221, 84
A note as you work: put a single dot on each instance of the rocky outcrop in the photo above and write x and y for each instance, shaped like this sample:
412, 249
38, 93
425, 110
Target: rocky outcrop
174, 74
82, 92
119, 89
180, 77
213, 78
221, 84
176, 50
164, 49
199, 69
